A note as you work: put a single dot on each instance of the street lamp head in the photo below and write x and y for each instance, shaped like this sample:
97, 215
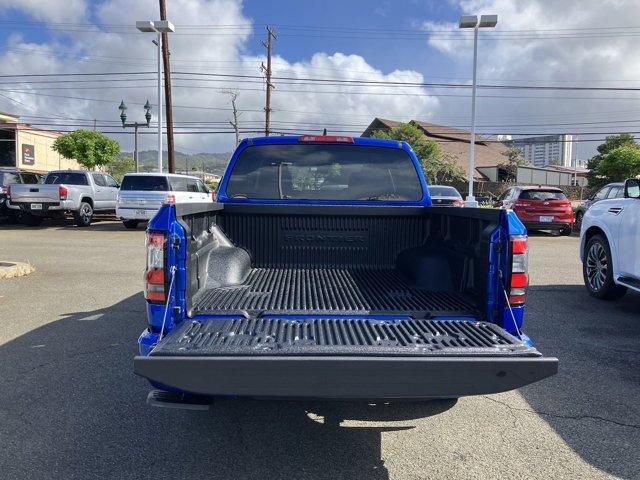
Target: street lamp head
146, 26
164, 26
147, 112
123, 112
488, 21
468, 21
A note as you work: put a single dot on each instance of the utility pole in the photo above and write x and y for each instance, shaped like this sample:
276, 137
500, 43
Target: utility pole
234, 96
167, 92
267, 70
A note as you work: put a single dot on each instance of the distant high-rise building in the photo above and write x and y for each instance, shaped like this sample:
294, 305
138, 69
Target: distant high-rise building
545, 150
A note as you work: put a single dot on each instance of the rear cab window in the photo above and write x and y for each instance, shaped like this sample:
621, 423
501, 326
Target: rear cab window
324, 172
542, 194
7, 178
68, 178
145, 183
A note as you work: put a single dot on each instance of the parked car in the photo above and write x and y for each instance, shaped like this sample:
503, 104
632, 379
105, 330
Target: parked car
609, 240
539, 208
445, 196
142, 194
611, 190
77, 192
286, 289
10, 176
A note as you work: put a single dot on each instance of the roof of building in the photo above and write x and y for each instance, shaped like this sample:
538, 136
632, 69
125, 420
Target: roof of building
453, 142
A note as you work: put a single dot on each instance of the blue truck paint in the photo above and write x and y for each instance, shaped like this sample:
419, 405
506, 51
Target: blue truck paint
166, 222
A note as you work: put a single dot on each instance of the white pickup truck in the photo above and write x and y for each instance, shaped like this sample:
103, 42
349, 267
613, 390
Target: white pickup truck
610, 244
78, 192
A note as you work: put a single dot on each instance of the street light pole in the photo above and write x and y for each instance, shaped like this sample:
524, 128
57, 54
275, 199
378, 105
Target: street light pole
159, 44
135, 125
158, 27
471, 21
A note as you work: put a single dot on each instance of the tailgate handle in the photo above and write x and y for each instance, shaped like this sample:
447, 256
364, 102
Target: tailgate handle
34, 189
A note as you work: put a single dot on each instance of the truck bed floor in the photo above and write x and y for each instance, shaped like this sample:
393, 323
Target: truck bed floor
329, 291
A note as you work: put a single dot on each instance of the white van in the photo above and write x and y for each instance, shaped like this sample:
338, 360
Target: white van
142, 194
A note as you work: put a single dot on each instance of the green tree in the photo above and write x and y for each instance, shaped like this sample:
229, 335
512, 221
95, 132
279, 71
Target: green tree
620, 163
118, 166
89, 148
437, 166
514, 160
594, 176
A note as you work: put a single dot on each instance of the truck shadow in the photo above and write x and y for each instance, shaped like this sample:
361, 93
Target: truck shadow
593, 401
72, 408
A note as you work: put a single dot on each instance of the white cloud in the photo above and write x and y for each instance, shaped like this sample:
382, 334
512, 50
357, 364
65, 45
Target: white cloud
222, 52
546, 42
54, 11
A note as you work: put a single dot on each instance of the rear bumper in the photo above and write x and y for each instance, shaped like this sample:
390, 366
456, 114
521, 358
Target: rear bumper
135, 213
547, 225
329, 377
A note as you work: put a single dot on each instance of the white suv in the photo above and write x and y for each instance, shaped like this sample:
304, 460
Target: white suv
142, 194
609, 244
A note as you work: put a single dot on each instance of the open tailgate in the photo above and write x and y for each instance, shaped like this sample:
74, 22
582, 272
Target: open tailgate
342, 358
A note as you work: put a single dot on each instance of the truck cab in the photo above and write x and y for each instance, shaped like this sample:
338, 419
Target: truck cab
323, 272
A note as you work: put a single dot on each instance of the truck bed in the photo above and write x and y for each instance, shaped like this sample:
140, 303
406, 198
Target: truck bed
264, 260
330, 291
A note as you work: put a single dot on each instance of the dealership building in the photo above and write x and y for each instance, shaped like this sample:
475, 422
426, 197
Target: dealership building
29, 148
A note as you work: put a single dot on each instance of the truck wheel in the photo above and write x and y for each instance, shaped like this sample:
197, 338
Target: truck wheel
597, 270
84, 215
565, 231
31, 220
130, 223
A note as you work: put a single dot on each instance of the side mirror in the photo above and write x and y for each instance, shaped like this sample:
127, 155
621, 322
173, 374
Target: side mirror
632, 188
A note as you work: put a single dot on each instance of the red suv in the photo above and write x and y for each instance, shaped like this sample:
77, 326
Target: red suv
540, 208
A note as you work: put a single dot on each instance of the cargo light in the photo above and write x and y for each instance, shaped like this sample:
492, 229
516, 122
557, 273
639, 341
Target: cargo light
325, 138
62, 192
519, 269
154, 275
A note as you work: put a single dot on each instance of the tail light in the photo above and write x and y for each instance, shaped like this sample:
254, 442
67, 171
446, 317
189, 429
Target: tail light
62, 192
171, 199
519, 269
7, 191
214, 195
458, 203
154, 275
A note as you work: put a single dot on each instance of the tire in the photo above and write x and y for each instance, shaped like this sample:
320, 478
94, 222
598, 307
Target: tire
83, 216
130, 224
579, 215
31, 220
565, 231
597, 271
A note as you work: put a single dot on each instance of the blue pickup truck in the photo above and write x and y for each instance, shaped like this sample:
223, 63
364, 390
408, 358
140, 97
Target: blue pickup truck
323, 272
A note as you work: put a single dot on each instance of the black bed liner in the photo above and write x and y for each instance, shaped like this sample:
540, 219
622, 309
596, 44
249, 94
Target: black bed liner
340, 336
329, 291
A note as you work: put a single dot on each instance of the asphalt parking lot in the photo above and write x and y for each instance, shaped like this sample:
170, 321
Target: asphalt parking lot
70, 406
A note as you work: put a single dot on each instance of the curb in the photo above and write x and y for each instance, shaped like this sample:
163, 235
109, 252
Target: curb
15, 269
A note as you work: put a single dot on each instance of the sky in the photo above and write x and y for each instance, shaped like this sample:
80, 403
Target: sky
217, 48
